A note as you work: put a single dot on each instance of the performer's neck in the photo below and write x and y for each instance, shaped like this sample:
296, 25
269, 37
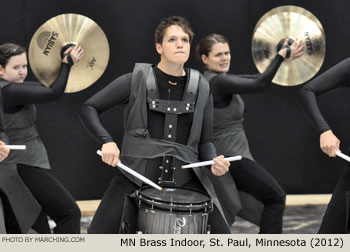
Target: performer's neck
172, 69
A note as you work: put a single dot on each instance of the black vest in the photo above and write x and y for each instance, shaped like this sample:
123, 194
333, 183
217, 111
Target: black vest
137, 143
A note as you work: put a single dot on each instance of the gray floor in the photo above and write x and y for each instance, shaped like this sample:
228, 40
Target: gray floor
304, 219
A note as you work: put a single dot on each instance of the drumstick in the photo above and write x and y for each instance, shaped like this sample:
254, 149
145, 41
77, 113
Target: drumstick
343, 156
210, 162
136, 174
16, 147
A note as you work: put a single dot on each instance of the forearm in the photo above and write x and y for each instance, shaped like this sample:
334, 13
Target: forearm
335, 77
309, 103
4, 137
228, 84
91, 121
207, 151
60, 83
206, 148
18, 94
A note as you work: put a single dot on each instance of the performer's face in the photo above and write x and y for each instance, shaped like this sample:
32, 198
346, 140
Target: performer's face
16, 69
175, 47
219, 58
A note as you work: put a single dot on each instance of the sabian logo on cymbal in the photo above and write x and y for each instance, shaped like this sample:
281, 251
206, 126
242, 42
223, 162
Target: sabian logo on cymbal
91, 63
309, 45
46, 40
42, 39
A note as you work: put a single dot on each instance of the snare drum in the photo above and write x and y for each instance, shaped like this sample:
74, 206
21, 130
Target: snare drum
174, 210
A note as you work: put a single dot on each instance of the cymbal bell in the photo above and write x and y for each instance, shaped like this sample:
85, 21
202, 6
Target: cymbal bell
60, 32
289, 22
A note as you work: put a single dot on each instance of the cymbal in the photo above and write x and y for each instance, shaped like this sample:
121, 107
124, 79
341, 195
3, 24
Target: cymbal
296, 23
57, 34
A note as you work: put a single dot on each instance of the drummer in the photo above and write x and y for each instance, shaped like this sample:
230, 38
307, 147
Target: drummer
26, 184
336, 219
163, 128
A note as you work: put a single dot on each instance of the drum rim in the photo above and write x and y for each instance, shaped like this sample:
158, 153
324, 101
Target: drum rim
205, 206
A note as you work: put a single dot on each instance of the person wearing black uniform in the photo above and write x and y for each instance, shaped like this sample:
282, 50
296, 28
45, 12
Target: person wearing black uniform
228, 132
26, 185
4, 152
336, 218
168, 116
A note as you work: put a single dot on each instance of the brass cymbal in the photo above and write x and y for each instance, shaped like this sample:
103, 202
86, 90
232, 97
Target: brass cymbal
58, 33
296, 23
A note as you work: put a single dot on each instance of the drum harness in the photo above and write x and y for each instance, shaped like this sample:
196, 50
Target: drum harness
171, 109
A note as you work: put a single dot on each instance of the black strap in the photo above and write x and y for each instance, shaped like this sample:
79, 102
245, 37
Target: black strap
171, 107
192, 86
69, 59
152, 91
190, 90
167, 173
288, 50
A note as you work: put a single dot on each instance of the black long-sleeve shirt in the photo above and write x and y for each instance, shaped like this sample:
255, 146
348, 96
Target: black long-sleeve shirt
16, 95
118, 91
3, 136
335, 77
223, 86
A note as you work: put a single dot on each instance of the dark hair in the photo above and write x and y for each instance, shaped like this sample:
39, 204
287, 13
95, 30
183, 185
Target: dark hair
173, 20
8, 50
206, 44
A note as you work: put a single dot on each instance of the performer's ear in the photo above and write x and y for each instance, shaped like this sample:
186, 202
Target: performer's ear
159, 48
1, 70
204, 59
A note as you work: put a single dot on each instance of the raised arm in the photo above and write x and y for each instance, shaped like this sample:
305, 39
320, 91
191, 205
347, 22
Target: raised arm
228, 84
19, 94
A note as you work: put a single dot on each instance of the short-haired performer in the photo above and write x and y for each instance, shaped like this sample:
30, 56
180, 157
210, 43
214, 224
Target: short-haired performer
155, 136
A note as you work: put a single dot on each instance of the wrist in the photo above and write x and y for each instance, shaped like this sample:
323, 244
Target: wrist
68, 59
286, 50
326, 131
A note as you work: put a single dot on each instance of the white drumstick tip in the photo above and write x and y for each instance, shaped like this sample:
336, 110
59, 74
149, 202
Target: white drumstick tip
343, 156
210, 162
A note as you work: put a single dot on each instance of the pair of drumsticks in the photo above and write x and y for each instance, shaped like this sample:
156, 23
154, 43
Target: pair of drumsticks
199, 164
149, 182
